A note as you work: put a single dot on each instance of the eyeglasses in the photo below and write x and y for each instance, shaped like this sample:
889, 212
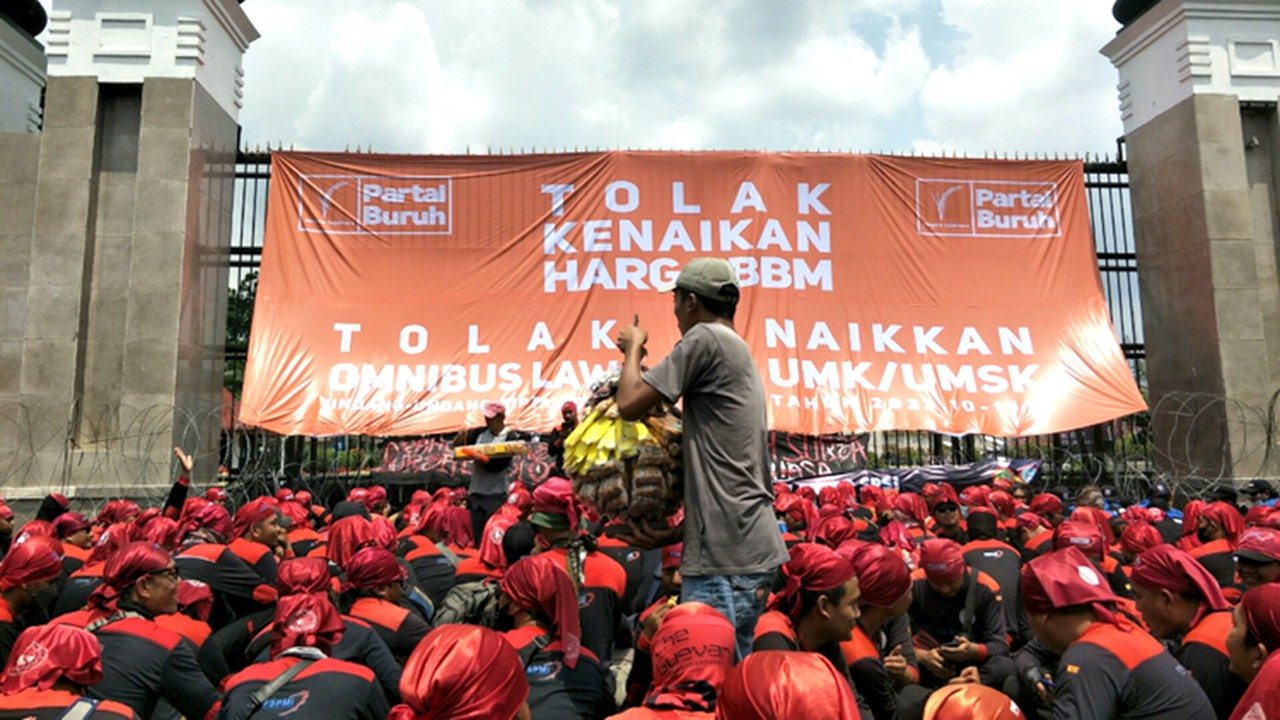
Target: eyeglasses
170, 572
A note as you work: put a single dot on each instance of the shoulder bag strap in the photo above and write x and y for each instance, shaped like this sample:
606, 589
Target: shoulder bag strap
80, 709
261, 694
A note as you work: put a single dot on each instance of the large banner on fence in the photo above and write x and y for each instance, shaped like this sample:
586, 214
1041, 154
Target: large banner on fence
398, 293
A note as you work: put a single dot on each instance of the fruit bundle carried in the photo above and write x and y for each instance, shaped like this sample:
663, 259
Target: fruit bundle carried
626, 470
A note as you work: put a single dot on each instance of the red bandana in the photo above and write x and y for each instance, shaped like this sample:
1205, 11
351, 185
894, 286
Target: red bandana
112, 540
373, 568
811, 567
44, 654
942, 560
883, 576
126, 567
1140, 537
254, 512
347, 536
305, 620
538, 583
491, 545
1083, 536
1165, 567
1261, 609
692, 652
461, 672
782, 685
70, 523
1046, 504
970, 702
555, 496
37, 560
1064, 578
1225, 516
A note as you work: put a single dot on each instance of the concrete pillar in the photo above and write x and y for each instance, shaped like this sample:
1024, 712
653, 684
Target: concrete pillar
1199, 80
123, 304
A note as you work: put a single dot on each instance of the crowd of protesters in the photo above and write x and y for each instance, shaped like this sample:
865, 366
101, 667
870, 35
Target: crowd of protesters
994, 602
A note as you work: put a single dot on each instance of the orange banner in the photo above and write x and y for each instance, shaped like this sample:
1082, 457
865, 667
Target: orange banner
398, 293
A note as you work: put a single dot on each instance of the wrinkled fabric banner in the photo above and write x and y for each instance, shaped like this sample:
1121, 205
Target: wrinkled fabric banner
398, 293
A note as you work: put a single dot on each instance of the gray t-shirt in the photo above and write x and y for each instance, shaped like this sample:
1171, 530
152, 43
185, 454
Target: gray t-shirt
484, 481
728, 494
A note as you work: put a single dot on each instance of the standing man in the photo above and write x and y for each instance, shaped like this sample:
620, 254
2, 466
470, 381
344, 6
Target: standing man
488, 490
733, 549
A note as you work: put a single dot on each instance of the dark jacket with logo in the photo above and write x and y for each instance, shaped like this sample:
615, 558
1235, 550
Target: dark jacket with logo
557, 691
326, 690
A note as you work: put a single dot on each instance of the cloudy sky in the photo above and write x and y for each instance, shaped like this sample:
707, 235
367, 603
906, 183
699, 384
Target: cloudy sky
445, 76
863, 75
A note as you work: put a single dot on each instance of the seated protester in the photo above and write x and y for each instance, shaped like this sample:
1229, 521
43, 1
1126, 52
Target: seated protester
304, 681
191, 621
692, 652
1191, 524
1089, 540
204, 556
1003, 564
1251, 642
1219, 531
489, 562
632, 561
1031, 535
958, 618
1181, 603
970, 702
911, 510
944, 507
463, 672
347, 536
72, 530
118, 511
835, 529
302, 537
1136, 539
774, 685
559, 516
141, 661
81, 583
1004, 506
476, 603
816, 608
1031, 686
1258, 557
649, 619
1109, 667
28, 569
798, 513
373, 591
162, 531
49, 673
248, 640
256, 534
884, 581
436, 546
566, 679
52, 506
1049, 507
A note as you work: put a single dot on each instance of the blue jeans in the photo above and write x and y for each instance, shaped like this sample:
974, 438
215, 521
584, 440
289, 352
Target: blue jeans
740, 598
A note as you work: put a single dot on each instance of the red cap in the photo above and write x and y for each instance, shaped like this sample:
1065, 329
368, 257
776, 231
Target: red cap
883, 576
539, 583
672, 556
45, 654
692, 652
971, 702
462, 672
284, 495
1046, 504
942, 560
1083, 536
373, 568
37, 560
777, 684
811, 567
1165, 567
1064, 578
1259, 544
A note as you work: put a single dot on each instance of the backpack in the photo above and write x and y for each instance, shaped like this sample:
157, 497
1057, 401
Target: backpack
472, 603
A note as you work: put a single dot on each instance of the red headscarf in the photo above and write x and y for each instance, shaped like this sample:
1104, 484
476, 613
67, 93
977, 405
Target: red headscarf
692, 653
6, 512
795, 509
303, 575
376, 498
1083, 536
131, 563
462, 672
555, 496
45, 654
811, 567
538, 583
1140, 537
1029, 520
1099, 519
895, 535
146, 517
943, 494
162, 531
251, 513
942, 560
808, 493
118, 511
35, 528
1191, 516
70, 523
971, 702
37, 560
302, 497
1257, 515
305, 620
373, 568
828, 496
975, 495
1064, 578
491, 545
112, 540
847, 494
912, 507
1227, 517
1261, 609
1046, 504
1165, 567
883, 576
1002, 502
521, 499
215, 494
347, 536
454, 523
782, 685
832, 531
210, 516
384, 532
298, 514
197, 597
870, 494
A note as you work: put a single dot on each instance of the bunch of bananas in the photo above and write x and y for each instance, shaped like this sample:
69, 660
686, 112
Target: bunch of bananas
603, 438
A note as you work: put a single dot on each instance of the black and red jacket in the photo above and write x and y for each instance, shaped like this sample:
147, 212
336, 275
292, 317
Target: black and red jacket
1109, 672
774, 631
939, 616
434, 571
10, 628
1218, 557
328, 689
557, 691
399, 628
143, 662
257, 556
33, 704
237, 589
631, 559
599, 599
1203, 653
1004, 565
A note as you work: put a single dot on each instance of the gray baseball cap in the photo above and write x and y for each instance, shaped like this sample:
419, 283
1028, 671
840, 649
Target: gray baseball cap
709, 277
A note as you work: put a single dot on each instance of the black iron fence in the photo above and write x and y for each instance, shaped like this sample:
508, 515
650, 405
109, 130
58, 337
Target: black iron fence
1117, 453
